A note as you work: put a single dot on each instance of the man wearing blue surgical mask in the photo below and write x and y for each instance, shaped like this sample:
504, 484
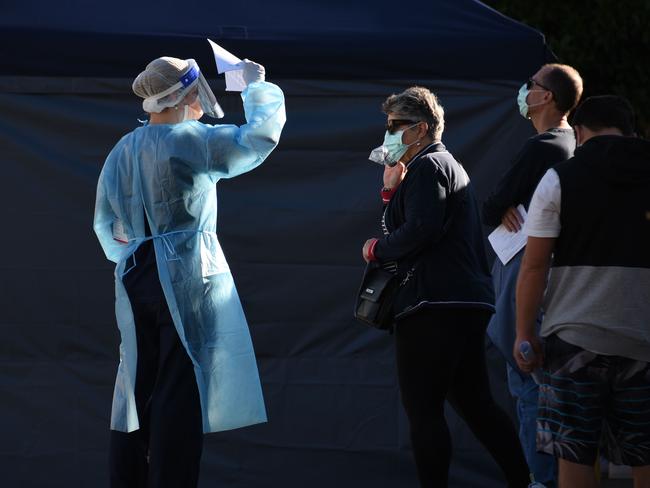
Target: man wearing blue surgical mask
546, 100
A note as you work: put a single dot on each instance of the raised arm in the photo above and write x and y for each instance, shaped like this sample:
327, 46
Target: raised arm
234, 150
424, 215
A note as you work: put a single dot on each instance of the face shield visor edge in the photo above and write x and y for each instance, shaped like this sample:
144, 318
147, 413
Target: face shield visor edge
175, 94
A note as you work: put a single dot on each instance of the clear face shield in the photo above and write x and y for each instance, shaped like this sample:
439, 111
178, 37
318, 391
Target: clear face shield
192, 81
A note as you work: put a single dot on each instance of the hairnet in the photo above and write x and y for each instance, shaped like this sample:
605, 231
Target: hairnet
166, 81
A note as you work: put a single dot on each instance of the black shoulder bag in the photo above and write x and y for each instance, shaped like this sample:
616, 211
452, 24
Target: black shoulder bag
375, 298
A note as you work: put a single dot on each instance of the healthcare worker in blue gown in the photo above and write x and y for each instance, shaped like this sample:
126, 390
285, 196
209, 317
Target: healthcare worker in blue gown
187, 365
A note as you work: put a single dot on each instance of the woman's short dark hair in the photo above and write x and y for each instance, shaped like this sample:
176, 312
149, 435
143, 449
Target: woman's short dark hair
566, 85
605, 111
418, 104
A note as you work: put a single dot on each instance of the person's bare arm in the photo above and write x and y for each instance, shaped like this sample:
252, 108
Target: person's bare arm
531, 284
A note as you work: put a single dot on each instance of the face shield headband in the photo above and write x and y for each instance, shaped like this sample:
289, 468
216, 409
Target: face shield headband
175, 94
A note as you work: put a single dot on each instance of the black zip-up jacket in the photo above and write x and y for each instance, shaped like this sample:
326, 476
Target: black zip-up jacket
435, 231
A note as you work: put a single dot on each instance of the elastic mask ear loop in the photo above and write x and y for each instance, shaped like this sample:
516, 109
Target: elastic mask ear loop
418, 142
536, 104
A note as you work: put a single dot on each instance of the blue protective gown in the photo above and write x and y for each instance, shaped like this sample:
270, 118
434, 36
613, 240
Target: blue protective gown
167, 174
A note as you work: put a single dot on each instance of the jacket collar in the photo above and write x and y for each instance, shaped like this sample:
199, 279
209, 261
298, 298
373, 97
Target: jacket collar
437, 146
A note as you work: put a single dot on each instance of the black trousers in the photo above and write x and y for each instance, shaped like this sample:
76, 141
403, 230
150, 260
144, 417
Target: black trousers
441, 356
166, 451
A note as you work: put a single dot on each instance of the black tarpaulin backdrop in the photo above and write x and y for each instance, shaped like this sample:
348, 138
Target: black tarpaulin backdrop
292, 230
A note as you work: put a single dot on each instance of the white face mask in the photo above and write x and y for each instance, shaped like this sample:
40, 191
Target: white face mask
392, 149
522, 96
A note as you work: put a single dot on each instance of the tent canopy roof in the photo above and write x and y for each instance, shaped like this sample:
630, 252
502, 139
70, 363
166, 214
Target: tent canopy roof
324, 39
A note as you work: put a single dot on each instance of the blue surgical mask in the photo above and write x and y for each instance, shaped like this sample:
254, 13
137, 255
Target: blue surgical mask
390, 152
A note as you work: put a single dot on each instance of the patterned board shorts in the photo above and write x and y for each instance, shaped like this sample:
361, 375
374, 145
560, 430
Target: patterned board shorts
590, 402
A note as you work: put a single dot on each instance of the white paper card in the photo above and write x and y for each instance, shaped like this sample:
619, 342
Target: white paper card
507, 244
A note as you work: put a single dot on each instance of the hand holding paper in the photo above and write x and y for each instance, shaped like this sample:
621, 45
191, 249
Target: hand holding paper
512, 219
506, 243
253, 72
238, 73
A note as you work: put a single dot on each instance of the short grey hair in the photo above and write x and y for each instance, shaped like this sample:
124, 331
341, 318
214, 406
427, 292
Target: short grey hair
419, 104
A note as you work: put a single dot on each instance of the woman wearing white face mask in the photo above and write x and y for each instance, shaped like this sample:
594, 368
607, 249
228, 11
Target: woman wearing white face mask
433, 241
187, 365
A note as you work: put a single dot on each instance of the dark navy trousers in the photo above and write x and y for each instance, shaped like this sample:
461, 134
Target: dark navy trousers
441, 356
166, 451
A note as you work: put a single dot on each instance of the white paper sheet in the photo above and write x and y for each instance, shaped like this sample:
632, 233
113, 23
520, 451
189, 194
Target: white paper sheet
231, 65
505, 243
235, 80
226, 61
